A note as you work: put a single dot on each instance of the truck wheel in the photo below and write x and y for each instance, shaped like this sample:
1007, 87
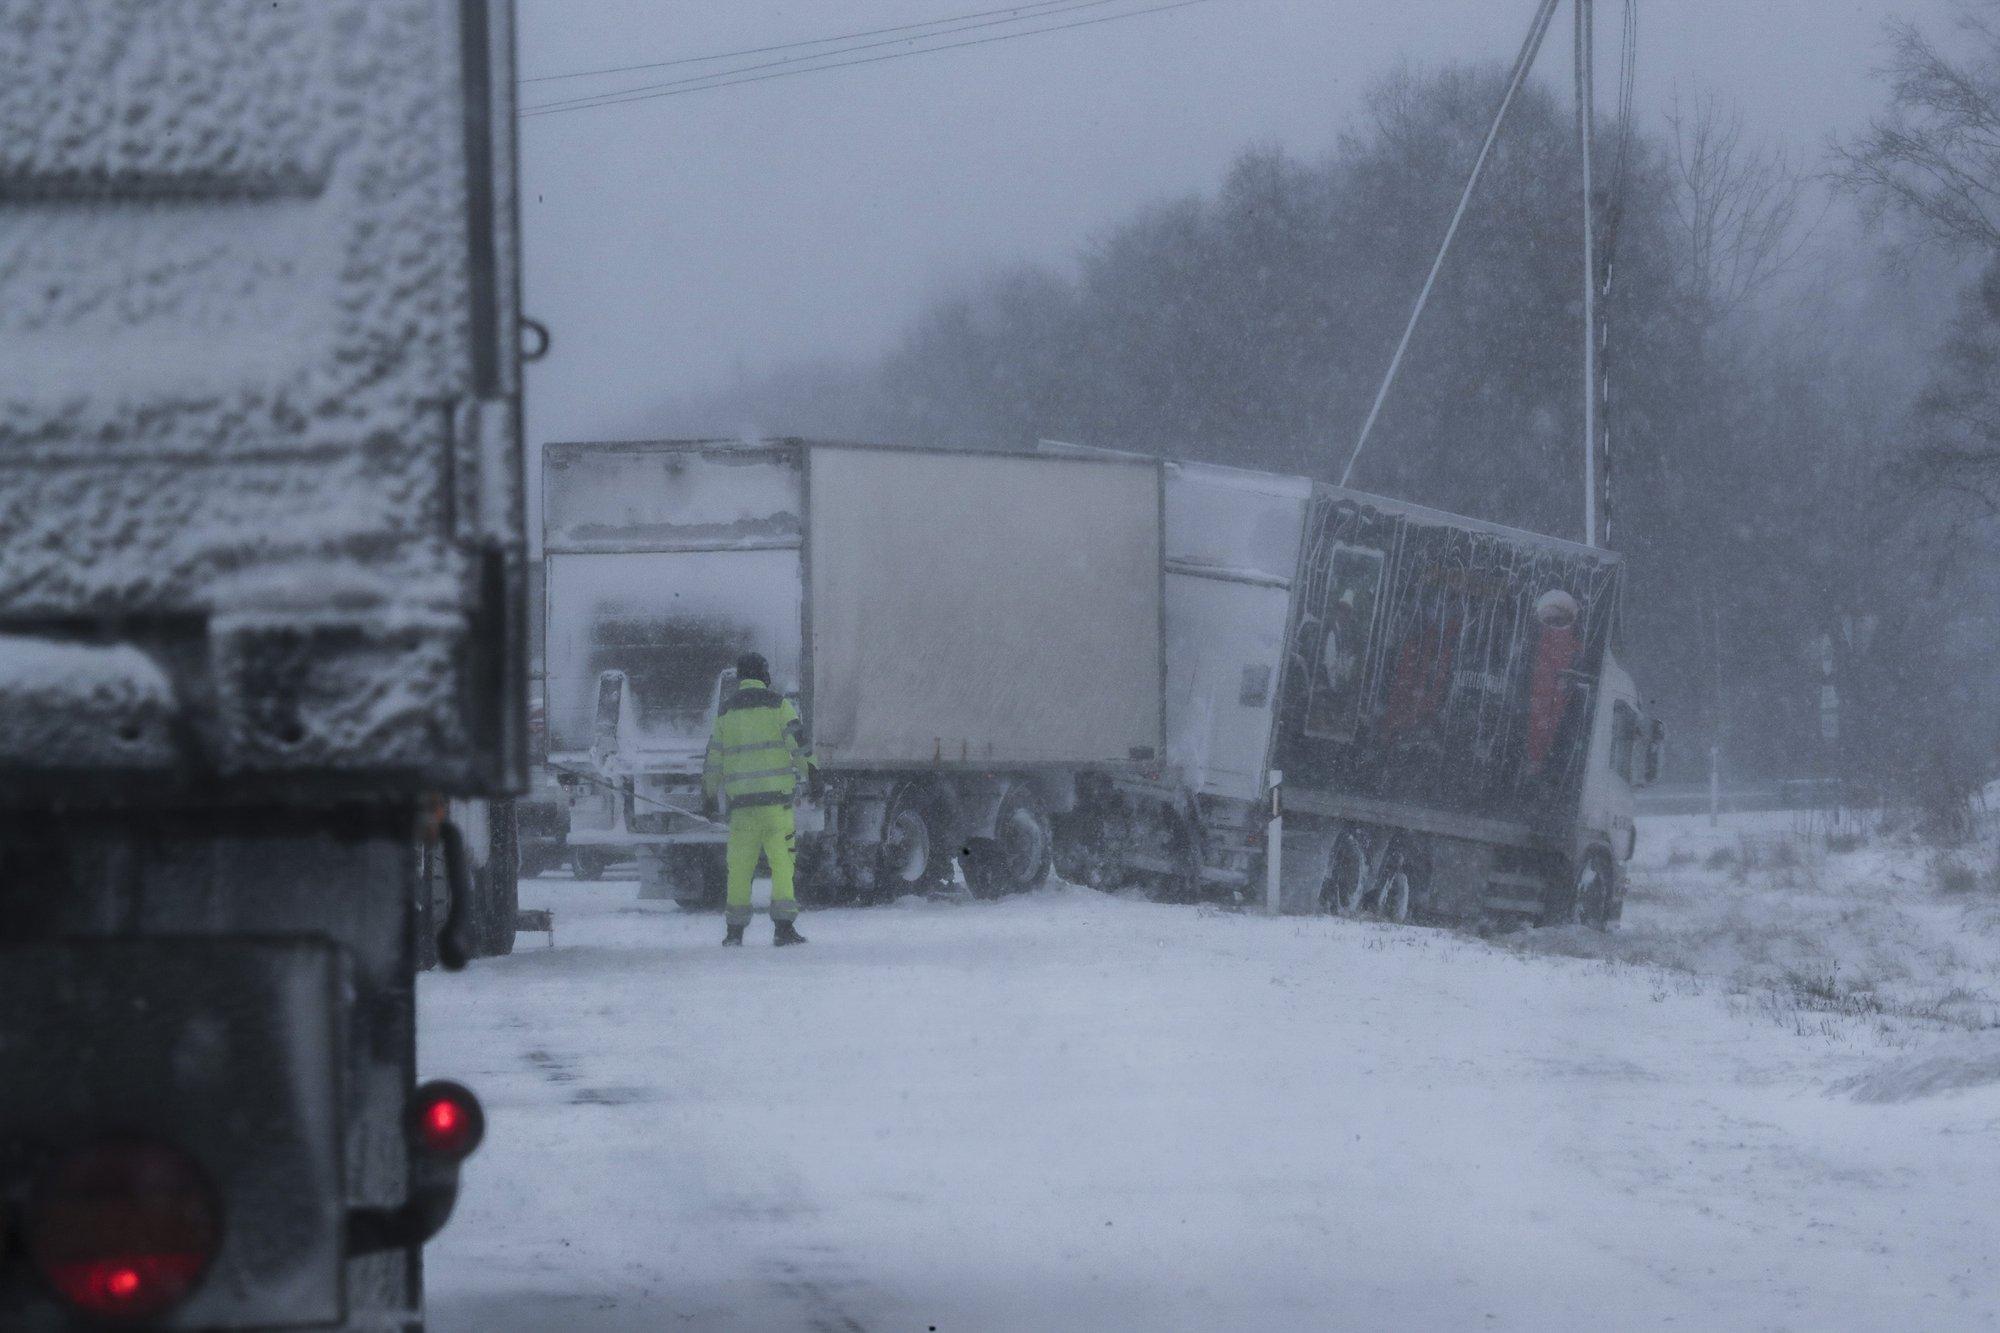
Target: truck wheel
824, 879
1020, 854
1396, 886
426, 916
915, 852
1590, 897
1182, 884
1090, 849
1345, 889
589, 862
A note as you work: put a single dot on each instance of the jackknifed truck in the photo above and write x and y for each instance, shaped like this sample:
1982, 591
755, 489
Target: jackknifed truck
1431, 702
993, 672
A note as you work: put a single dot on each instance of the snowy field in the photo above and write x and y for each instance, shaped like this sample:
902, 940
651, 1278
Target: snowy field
1768, 1102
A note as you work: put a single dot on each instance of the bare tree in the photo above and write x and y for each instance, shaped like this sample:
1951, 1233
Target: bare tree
1957, 456
1933, 159
1737, 207
1934, 156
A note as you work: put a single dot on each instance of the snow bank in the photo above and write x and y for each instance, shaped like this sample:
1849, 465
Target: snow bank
1762, 905
1952, 1065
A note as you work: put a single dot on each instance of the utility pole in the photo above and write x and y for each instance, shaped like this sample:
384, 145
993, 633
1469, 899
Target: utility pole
1586, 127
1586, 118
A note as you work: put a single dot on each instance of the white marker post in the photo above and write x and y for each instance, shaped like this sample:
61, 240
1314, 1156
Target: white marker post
1274, 846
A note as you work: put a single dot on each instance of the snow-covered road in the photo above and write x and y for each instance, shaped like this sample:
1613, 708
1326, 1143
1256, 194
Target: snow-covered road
1074, 1111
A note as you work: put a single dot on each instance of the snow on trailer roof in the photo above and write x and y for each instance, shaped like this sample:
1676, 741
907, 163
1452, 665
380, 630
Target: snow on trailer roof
608, 495
1290, 484
774, 442
1445, 518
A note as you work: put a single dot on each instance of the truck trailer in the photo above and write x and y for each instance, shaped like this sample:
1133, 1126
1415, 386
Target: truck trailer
1432, 702
261, 620
972, 640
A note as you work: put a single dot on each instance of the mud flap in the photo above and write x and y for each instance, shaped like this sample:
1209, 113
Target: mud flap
1303, 867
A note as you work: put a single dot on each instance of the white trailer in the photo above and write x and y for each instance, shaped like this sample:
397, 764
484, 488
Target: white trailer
972, 639
1444, 753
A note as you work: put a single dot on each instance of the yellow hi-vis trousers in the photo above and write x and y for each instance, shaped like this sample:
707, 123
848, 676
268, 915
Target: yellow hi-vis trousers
766, 831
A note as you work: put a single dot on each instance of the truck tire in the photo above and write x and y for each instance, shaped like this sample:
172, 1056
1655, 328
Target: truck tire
1344, 891
589, 862
1089, 849
1018, 857
426, 910
499, 885
1182, 841
915, 853
1589, 900
1398, 884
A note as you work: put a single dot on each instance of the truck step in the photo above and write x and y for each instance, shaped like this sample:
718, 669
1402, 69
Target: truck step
1528, 906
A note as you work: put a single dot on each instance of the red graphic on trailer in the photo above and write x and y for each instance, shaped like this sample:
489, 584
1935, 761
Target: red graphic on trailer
1558, 647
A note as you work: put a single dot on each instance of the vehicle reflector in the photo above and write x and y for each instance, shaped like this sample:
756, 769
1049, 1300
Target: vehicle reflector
446, 1120
123, 1229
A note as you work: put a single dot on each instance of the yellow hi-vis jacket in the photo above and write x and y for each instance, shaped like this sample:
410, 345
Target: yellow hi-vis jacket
757, 754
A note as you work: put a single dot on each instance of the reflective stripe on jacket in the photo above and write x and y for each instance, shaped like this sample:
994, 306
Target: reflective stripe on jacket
757, 754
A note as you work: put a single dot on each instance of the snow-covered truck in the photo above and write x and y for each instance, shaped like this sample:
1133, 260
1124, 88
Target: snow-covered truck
1436, 697
260, 621
973, 639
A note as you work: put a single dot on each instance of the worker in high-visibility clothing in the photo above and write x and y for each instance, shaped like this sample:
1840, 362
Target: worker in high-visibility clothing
757, 758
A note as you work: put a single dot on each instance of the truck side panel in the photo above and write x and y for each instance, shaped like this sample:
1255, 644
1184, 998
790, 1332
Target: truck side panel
983, 609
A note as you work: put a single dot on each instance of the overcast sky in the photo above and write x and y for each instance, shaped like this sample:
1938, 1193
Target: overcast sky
673, 242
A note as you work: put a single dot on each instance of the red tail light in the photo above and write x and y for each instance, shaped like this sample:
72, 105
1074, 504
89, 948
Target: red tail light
446, 1120
123, 1229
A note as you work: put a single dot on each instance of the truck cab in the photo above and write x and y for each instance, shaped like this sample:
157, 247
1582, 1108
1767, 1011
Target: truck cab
1624, 755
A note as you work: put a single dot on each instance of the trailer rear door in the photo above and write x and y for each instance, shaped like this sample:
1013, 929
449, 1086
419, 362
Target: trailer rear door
664, 562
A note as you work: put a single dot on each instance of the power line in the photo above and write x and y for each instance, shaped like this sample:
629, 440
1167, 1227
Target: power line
589, 98
1018, 10
1538, 28
556, 108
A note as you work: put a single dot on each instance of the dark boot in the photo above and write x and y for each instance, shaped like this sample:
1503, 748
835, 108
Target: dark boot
787, 933
734, 935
